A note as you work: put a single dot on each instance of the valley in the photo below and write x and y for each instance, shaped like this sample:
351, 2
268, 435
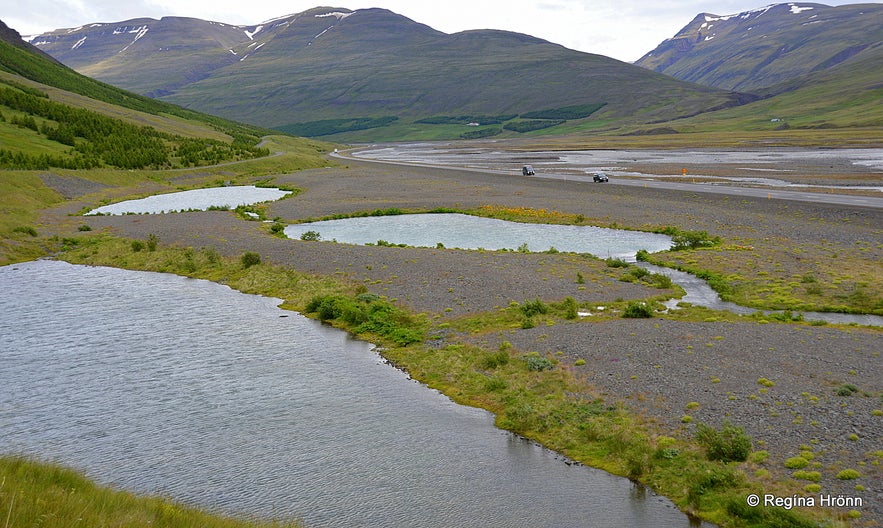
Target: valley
582, 354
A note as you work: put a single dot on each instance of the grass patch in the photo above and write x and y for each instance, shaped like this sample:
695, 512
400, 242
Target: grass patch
295, 288
43, 494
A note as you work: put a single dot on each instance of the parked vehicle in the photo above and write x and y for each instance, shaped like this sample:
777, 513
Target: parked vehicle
600, 177
527, 170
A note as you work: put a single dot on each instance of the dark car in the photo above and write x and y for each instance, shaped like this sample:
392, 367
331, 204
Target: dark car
527, 170
600, 177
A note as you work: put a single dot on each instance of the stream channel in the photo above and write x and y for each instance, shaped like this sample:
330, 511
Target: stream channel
161, 384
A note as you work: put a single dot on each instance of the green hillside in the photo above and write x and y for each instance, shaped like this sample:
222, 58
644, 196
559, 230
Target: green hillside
64, 135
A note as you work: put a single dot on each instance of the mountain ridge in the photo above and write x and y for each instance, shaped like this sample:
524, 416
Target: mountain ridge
760, 48
333, 63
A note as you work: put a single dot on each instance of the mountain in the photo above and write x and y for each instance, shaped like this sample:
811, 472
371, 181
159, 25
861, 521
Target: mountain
52, 116
337, 64
757, 49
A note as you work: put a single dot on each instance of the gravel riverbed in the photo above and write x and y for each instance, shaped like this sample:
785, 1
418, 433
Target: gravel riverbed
657, 366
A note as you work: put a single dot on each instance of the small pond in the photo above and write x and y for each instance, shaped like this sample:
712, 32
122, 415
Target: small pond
194, 200
162, 384
472, 232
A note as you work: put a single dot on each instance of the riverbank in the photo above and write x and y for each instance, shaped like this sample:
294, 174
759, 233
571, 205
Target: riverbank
32, 492
665, 369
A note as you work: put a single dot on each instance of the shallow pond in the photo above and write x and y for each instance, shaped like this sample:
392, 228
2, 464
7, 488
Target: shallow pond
471, 232
194, 200
161, 384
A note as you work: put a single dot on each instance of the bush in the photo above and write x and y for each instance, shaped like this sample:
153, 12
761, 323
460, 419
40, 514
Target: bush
848, 474
692, 240
847, 389
539, 363
152, 241
796, 462
814, 476
729, 444
84, 227
571, 308
311, 236
535, 307
638, 310
137, 246
249, 259
367, 313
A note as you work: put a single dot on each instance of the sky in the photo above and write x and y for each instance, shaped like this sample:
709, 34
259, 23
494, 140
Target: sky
622, 29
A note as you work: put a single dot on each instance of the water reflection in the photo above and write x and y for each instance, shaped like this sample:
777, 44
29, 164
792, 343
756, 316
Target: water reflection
161, 384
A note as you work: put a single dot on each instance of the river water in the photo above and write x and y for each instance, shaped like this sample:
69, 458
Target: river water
161, 384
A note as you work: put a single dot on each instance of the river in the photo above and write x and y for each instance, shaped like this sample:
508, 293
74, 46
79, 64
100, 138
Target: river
161, 384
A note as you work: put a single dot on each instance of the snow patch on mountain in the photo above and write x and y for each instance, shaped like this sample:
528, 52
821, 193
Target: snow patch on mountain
796, 9
338, 14
251, 34
79, 43
141, 31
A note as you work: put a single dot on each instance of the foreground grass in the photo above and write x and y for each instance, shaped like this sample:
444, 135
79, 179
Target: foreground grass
44, 494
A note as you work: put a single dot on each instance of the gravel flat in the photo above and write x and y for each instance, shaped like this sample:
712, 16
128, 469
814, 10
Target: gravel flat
657, 366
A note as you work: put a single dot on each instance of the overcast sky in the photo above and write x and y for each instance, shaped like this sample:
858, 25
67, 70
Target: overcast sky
622, 29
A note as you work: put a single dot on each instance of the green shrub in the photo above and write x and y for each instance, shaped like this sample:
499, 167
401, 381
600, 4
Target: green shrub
848, 474
616, 263
152, 242
249, 259
814, 476
84, 227
638, 310
796, 462
278, 228
571, 308
535, 307
692, 239
663, 282
311, 236
539, 363
729, 444
367, 313
137, 246
847, 389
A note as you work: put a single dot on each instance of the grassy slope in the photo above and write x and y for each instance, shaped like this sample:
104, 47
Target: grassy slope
23, 193
43, 494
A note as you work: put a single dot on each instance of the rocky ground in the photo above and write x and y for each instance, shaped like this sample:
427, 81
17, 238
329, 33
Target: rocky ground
665, 369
